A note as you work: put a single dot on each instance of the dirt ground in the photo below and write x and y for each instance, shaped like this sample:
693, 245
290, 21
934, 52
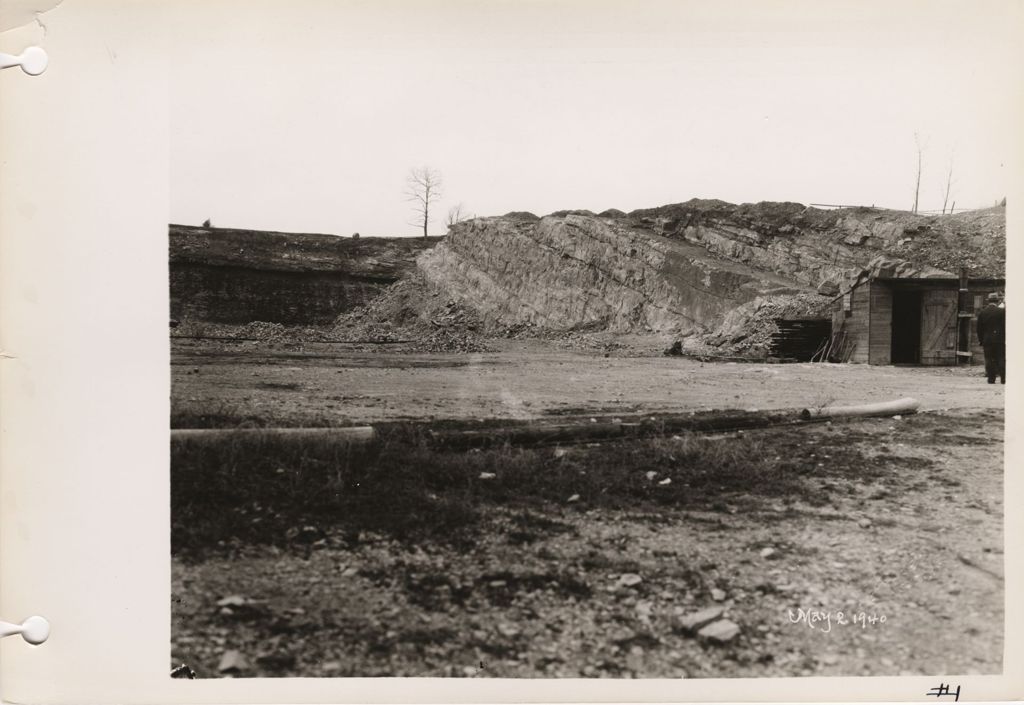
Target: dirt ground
324, 384
892, 564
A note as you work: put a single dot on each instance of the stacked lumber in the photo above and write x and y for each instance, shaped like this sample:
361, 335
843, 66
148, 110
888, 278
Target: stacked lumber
799, 339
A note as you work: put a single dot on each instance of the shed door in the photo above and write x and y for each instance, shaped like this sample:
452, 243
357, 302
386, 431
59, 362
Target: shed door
938, 328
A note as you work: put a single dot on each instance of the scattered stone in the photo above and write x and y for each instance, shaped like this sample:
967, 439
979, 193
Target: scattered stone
630, 579
561, 452
666, 481
696, 620
721, 632
767, 552
508, 630
635, 659
864, 523
487, 476
650, 474
573, 498
232, 601
233, 662
717, 595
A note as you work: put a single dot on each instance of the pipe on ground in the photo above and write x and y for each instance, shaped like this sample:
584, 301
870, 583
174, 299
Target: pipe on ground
366, 436
353, 435
906, 405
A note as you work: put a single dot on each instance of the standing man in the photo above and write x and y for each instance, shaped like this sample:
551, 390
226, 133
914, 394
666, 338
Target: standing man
992, 336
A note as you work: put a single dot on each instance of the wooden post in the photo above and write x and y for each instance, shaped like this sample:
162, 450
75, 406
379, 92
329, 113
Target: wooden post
963, 321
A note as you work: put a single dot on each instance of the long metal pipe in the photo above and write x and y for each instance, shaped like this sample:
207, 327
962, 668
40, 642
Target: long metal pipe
907, 405
354, 435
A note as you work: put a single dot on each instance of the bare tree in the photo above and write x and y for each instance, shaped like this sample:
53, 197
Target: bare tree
949, 185
456, 215
423, 187
917, 187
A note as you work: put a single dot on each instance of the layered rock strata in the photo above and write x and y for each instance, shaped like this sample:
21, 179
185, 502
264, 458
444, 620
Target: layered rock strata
681, 268
227, 275
584, 272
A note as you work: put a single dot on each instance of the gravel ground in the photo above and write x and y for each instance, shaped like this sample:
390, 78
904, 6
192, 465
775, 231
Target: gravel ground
906, 530
331, 385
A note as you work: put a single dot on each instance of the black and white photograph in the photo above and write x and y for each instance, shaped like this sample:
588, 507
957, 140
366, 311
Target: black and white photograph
560, 339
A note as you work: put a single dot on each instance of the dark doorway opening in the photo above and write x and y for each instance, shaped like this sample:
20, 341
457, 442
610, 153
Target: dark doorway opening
906, 327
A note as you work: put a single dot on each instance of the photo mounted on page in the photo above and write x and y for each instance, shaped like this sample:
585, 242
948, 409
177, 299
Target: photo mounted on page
514, 346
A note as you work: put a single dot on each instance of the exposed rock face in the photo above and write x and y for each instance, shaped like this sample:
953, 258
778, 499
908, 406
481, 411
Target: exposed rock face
674, 269
681, 268
237, 276
584, 272
825, 248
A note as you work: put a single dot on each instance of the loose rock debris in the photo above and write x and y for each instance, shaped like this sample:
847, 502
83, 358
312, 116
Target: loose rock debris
364, 604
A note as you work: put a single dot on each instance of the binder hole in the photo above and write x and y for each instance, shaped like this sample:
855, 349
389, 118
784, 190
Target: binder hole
35, 630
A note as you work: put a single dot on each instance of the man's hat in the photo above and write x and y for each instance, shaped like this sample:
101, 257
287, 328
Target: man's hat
994, 296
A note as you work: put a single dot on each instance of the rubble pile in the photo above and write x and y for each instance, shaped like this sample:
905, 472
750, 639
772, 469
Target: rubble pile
748, 329
279, 333
973, 239
413, 312
562, 339
261, 331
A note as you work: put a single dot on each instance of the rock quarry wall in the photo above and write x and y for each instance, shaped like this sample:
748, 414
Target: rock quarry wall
581, 272
236, 276
825, 249
681, 268
677, 269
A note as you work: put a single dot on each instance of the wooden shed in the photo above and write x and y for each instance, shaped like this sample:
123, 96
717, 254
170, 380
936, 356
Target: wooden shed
914, 321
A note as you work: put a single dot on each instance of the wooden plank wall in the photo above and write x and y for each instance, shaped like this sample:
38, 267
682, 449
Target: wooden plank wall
869, 323
880, 324
855, 323
938, 326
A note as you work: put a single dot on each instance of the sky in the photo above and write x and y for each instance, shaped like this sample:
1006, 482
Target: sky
308, 116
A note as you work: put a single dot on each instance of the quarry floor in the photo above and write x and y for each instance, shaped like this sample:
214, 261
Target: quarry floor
325, 384
899, 528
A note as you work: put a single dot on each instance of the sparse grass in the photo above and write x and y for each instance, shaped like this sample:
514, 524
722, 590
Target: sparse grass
224, 415
259, 490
